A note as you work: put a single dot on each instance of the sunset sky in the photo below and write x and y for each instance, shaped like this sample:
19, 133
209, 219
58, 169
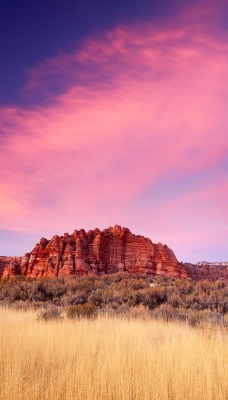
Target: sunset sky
115, 112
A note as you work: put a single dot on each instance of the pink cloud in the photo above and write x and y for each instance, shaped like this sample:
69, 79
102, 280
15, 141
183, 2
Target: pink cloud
137, 106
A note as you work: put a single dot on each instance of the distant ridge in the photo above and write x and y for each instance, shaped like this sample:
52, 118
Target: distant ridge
216, 263
95, 252
208, 271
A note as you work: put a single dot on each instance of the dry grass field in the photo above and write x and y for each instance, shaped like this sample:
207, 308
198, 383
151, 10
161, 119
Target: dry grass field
109, 359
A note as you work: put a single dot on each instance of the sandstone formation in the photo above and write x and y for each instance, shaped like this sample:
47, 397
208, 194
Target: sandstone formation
10, 266
94, 253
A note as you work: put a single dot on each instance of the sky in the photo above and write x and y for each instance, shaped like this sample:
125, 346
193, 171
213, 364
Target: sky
115, 112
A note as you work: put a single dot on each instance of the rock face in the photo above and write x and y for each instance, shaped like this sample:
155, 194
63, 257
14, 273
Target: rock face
10, 266
94, 253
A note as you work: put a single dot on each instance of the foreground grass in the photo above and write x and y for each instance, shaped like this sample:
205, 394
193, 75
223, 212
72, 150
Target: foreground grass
109, 358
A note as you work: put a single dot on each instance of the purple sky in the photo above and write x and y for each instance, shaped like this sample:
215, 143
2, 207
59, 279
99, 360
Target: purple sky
115, 114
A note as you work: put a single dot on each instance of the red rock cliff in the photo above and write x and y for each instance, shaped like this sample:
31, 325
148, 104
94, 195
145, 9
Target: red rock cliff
95, 252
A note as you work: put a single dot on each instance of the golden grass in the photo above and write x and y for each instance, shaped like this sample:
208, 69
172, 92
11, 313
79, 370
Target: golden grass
109, 358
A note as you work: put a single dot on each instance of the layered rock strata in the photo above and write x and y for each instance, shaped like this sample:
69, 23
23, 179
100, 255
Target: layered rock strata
94, 253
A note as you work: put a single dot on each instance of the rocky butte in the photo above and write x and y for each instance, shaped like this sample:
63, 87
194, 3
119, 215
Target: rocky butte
95, 252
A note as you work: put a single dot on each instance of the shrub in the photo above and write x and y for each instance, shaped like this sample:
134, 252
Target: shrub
155, 296
51, 313
87, 310
117, 293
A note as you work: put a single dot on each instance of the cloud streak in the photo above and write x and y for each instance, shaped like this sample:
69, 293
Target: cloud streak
137, 107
